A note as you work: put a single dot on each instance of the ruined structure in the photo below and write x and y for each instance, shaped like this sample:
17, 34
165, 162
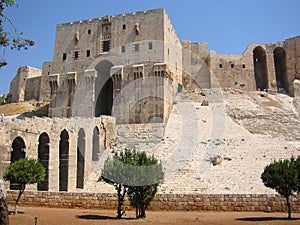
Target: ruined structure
125, 71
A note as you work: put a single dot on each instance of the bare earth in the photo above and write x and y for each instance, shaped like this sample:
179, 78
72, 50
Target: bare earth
54, 216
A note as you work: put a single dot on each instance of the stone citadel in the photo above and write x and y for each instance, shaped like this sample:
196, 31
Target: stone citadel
122, 80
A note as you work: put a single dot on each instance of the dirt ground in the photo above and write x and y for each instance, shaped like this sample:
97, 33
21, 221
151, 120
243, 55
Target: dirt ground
54, 216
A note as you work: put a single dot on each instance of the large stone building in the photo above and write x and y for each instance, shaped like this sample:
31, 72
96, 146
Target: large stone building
130, 67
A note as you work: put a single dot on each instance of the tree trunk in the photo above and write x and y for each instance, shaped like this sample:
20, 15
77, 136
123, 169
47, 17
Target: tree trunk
289, 207
121, 197
3, 206
22, 189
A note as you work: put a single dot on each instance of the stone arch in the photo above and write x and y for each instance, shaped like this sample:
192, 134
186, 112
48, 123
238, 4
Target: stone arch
103, 89
63, 161
260, 68
80, 159
280, 69
18, 152
96, 144
43, 157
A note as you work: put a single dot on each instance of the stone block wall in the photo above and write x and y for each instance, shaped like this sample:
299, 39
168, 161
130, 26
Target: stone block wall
166, 202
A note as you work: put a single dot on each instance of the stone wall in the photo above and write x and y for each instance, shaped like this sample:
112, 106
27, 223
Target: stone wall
232, 202
23, 83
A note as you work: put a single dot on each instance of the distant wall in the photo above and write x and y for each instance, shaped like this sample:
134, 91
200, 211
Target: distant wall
169, 202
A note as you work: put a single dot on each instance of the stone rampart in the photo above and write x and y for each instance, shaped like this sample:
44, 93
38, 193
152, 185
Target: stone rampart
168, 202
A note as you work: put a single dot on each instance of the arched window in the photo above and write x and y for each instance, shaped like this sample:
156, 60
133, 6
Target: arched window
96, 145
63, 161
18, 152
80, 159
43, 156
260, 68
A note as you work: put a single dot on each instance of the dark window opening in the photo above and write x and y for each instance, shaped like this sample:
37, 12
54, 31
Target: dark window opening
136, 47
64, 56
17, 153
232, 66
124, 26
244, 66
43, 156
105, 46
150, 46
260, 68
88, 53
80, 159
76, 55
281, 70
105, 99
96, 145
123, 49
89, 31
220, 66
63, 161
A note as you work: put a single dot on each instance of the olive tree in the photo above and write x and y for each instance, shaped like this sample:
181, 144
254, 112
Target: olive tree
283, 177
24, 171
135, 174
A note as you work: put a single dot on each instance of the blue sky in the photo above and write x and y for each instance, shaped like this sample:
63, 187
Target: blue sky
228, 26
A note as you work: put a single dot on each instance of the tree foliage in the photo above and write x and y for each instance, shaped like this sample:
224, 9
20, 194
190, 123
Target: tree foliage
283, 176
24, 171
134, 173
14, 40
140, 196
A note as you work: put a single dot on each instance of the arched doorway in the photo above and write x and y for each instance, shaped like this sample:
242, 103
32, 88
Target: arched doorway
43, 156
18, 152
280, 69
260, 68
104, 89
96, 145
63, 161
80, 159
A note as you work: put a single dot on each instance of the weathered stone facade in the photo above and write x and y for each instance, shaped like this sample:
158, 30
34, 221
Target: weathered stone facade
116, 80
26, 84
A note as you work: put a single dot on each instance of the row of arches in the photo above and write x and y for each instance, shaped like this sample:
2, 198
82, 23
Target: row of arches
44, 156
261, 69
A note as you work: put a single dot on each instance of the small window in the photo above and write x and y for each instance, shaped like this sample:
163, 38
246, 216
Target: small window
150, 46
244, 66
124, 26
76, 55
88, 53
123, 49
89, 31
220, 66
105, 46
136, 47
232, 66
64, 56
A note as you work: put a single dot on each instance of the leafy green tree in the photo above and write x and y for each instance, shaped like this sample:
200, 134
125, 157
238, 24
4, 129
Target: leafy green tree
114, 173
282, 176
15, 39
133, 172
24, 171
152, 175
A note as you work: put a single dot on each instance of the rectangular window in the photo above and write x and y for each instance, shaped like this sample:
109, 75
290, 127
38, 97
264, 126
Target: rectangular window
220, 66
76, 55
244, 66
136, 47
123, 49
150, 46
105, 46
89, 31
88, 53
64, 56
232, 66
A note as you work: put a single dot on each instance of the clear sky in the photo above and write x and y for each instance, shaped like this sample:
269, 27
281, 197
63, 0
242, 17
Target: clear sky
227, 25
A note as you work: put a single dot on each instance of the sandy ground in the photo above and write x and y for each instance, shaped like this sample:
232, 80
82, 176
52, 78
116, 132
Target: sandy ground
54, 216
